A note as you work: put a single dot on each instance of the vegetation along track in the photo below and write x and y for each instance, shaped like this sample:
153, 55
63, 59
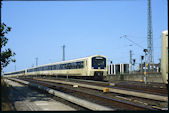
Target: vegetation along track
102, 100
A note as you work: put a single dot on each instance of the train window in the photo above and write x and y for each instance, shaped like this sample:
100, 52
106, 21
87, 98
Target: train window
98, 62
61, 66
64, 66
74, 65
57, 67
54, 67
79, 65
46, 68
49, 67
68, 66
71, 66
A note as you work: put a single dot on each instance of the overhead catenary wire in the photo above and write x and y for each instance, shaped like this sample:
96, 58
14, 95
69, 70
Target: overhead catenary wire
125, 36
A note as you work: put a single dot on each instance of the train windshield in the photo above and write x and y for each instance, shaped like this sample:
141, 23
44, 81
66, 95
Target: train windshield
98, 62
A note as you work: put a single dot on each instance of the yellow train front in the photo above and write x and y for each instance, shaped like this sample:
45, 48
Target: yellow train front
91, 67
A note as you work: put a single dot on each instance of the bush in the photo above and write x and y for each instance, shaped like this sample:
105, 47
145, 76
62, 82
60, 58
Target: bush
5, 102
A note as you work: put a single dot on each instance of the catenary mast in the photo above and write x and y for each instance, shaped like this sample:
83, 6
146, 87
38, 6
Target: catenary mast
150, 36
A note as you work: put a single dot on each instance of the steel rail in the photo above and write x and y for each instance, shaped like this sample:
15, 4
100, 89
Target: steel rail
125, 104
78, 101
115, 90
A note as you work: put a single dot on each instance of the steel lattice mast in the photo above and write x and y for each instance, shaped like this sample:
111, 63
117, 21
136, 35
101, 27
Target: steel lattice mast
150, 36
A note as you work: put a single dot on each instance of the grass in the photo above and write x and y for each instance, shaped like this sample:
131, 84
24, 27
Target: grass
5, 101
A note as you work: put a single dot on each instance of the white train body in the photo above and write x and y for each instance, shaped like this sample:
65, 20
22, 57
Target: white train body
164, 56
15, 74
90, 66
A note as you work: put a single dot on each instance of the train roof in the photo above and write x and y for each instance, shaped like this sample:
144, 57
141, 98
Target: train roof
13, 71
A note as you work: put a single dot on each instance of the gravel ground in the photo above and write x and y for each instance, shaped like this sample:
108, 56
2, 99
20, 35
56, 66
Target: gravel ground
26, 99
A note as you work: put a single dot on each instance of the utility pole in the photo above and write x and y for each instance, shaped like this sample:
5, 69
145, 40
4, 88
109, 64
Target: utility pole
36, 61
142, 57
130, 67
145, 73
134, 60
150, 37
159, 65
63, 52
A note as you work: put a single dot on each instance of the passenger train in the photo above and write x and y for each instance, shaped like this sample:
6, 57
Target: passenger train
93, 66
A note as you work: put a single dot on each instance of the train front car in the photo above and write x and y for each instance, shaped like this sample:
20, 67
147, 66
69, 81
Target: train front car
98, 67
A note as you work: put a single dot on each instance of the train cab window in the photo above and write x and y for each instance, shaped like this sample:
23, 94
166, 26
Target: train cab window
98, 62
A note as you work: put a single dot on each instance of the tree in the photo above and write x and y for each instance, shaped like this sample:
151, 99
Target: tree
7, 54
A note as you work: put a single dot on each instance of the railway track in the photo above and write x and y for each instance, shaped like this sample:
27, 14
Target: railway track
143, 88
96, 98
157, 89
121, 95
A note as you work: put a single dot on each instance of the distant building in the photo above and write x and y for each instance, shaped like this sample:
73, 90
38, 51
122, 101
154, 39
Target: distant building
154, 68
114, 69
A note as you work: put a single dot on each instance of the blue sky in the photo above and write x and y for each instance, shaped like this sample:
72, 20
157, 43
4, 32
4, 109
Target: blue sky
39, 29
